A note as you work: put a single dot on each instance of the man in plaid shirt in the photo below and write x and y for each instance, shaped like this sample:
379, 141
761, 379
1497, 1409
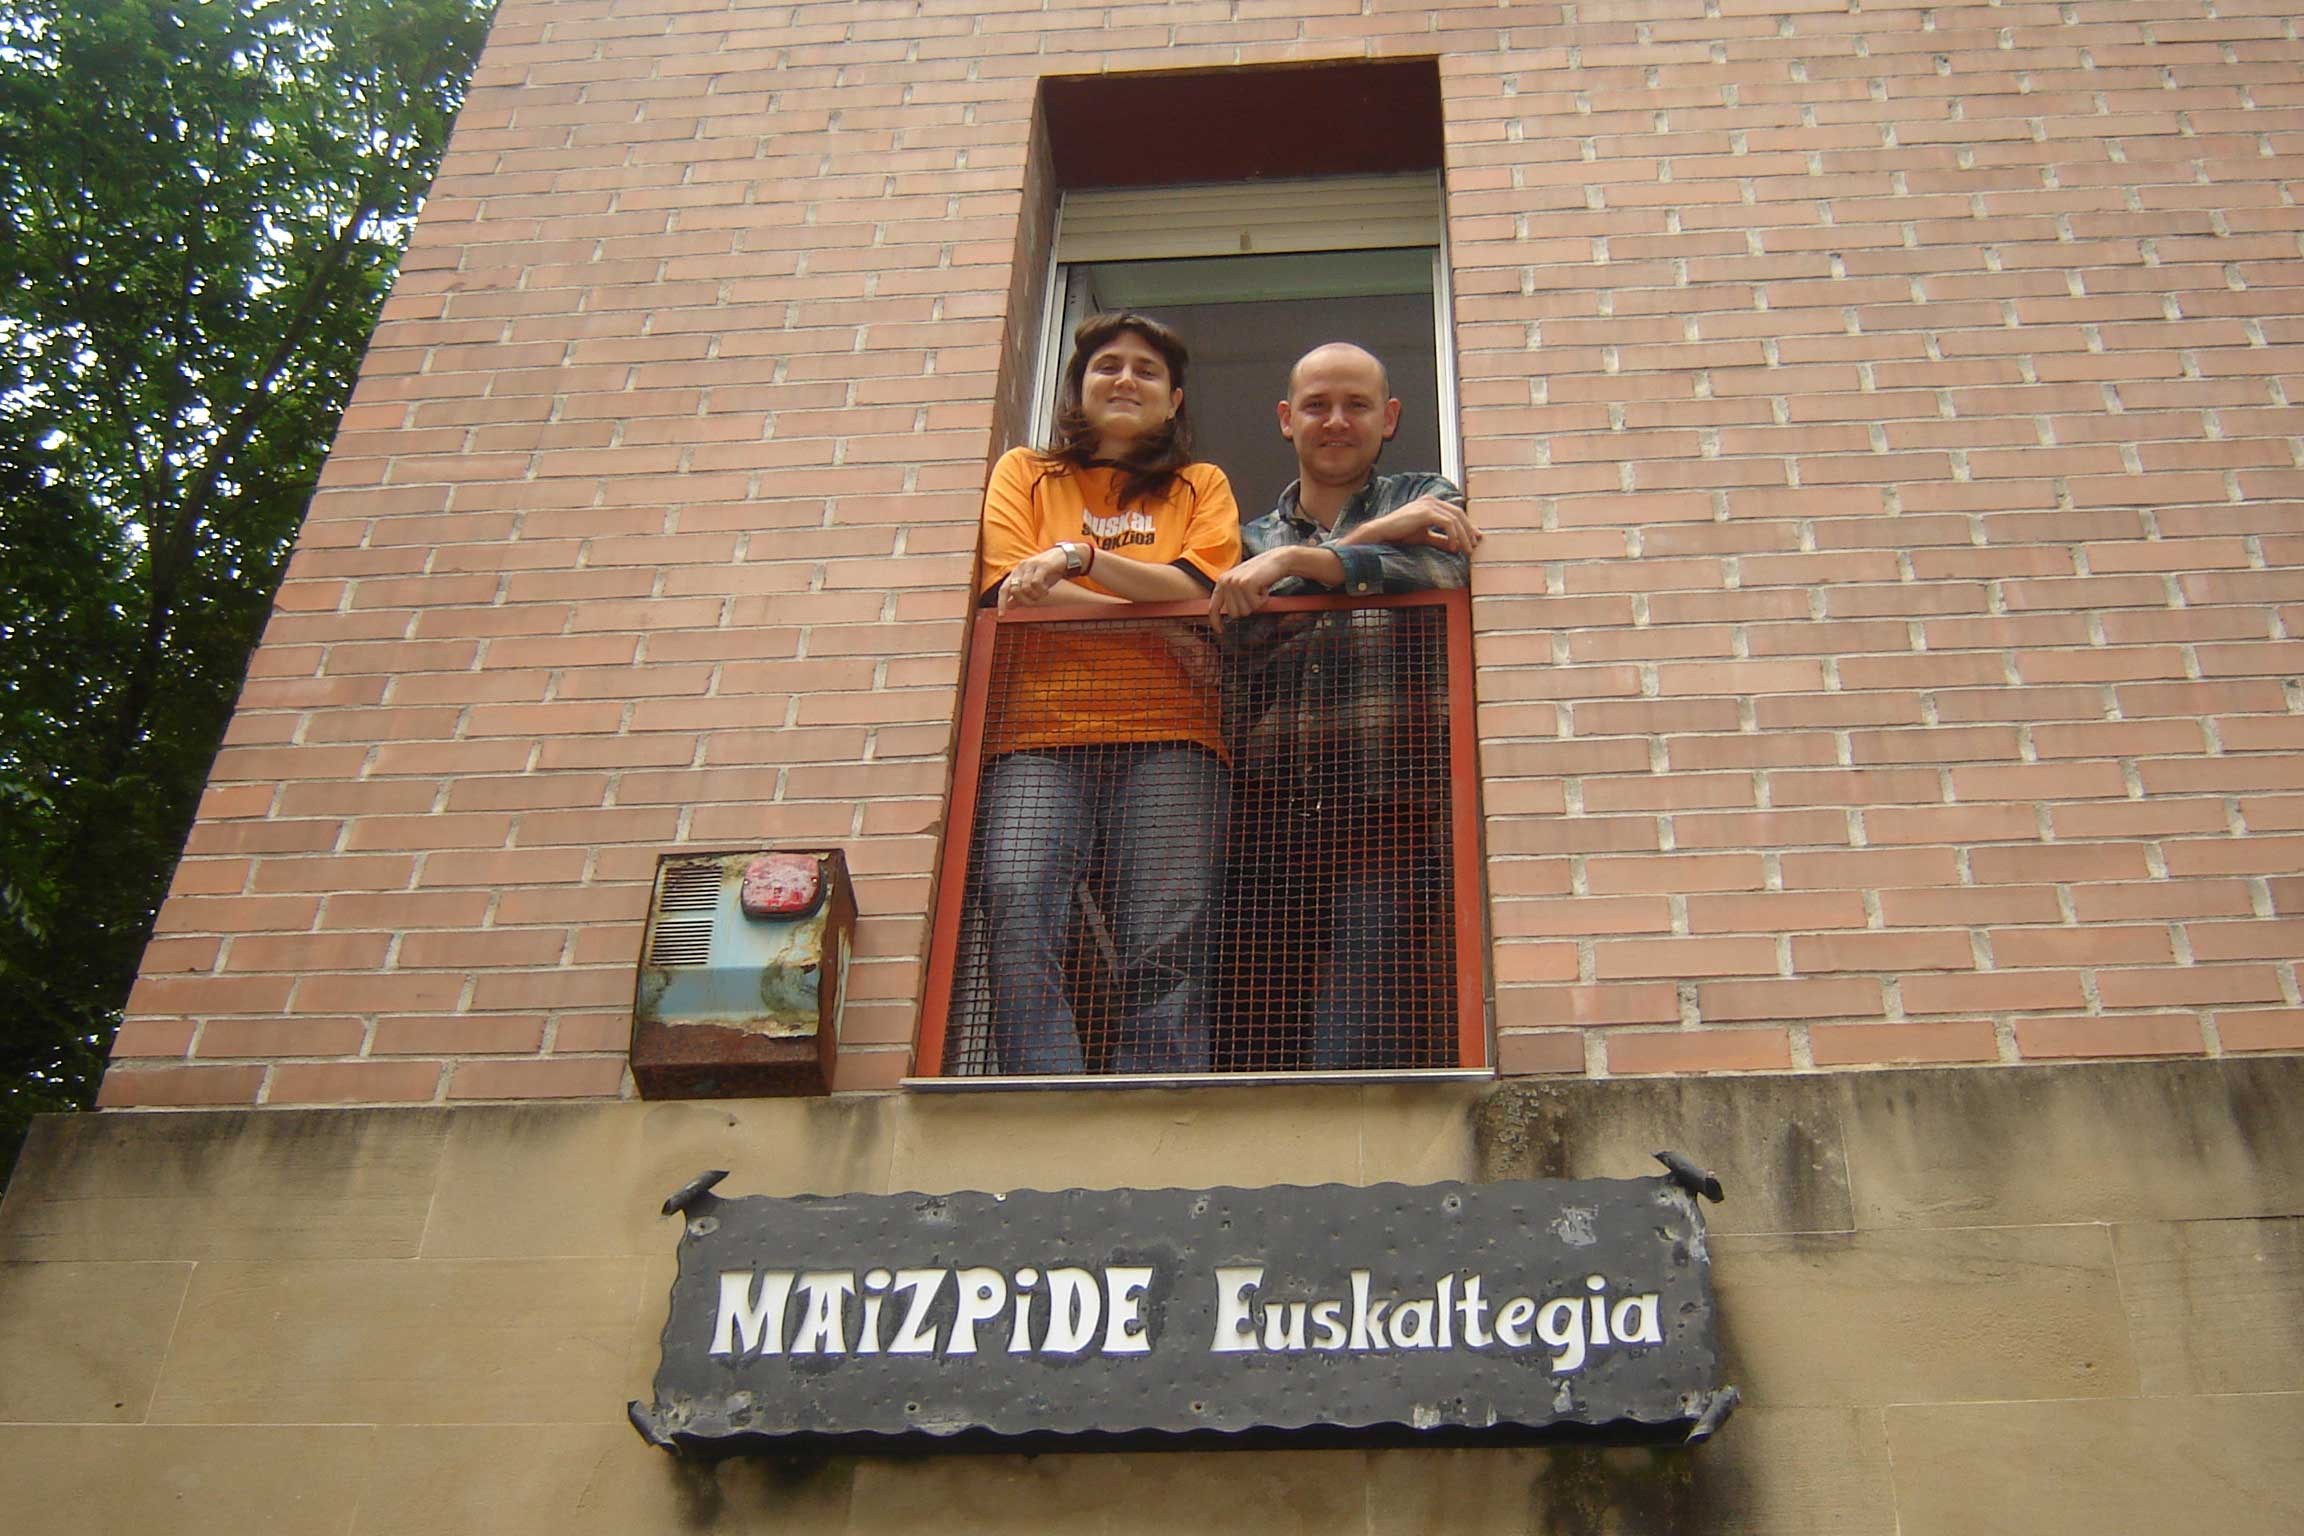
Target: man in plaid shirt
1333, 722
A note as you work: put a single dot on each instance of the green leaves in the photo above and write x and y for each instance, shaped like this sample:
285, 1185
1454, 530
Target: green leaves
201, 208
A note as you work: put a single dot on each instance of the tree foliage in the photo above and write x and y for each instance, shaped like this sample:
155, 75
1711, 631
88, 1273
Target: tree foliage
202, 203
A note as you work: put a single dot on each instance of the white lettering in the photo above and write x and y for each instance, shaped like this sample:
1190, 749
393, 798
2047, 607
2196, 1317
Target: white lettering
1412, 1324
1367, 1318
875, 1282
1235, 1332
1328, 1317
1635, 1320
1284, 1325
1470, 1311
824, 1330
913, 1338
1512, 1320
1020, 1336
1124, 1330
1561, 1325
1074, 1307
983, 1296
744, 1324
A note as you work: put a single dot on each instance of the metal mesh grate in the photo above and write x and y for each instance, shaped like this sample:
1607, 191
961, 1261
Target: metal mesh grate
1194, 852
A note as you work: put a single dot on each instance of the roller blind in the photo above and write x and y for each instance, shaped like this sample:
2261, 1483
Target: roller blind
1249, 218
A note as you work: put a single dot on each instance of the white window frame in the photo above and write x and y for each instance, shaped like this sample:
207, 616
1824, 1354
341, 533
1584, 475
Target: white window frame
1263, 218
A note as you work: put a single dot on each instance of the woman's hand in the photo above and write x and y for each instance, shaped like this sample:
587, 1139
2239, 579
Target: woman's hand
1032, 580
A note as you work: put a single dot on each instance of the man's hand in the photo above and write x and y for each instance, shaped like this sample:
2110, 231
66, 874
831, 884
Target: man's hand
1247, 587
1425, 521
1032, 579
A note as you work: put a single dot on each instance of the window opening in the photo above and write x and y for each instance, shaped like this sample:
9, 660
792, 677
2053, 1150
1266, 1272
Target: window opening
1253, 275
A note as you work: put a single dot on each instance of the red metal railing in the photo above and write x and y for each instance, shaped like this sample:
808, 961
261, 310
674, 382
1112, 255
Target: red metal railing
1172, 851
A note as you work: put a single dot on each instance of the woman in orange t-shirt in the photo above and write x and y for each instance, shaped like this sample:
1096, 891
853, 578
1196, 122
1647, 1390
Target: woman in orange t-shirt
1102, 741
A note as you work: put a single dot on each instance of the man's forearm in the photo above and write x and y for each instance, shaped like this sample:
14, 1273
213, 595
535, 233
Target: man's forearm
1316, 563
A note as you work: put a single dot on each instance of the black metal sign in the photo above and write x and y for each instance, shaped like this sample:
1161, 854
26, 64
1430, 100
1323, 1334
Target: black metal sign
1444, 1312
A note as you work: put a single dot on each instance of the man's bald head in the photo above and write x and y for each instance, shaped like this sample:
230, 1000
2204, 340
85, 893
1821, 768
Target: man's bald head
1339, 414
1341, 352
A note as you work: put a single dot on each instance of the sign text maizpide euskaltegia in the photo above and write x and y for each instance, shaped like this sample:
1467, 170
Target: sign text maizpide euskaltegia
1444, 1312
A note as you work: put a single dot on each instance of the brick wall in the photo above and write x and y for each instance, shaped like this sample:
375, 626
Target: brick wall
1881, 417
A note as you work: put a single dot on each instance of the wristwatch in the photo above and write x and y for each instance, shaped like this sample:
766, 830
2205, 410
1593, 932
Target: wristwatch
1075, 559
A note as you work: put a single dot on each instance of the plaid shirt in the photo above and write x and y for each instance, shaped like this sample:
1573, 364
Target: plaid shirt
1346, 705
1368, 568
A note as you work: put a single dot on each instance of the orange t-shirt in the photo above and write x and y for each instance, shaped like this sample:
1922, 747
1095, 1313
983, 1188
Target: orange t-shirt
1110, 681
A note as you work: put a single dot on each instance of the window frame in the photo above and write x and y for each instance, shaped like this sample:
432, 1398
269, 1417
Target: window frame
1148, 204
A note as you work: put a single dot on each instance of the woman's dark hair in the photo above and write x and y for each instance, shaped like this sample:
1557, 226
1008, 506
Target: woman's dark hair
1149, 469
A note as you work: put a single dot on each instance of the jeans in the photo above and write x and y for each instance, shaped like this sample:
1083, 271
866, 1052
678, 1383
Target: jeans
1340, 951
1148, 819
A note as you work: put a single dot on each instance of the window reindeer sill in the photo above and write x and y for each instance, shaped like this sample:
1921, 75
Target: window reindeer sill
1178, 855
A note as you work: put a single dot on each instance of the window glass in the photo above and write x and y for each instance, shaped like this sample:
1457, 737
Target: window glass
1247, 318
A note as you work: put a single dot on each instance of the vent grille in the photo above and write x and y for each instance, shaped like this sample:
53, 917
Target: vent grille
690, 888
681, 941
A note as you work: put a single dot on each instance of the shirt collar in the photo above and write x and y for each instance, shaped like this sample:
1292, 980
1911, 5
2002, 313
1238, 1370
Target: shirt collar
1292, 504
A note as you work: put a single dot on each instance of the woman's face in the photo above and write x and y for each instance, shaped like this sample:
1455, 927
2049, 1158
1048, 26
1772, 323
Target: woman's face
1126, 393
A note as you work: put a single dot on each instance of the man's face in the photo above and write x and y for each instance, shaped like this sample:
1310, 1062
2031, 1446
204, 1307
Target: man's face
1338, 417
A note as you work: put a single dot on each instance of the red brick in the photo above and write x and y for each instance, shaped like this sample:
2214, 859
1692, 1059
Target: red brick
2162, 1034
2258, 855
1760, 829
1862, 868
2121, 738
1527, 1053
1805, 997
1950, 824
1867, 787
870, 1071
2162, 898
2140, 818
1572, 834
2102, 944
381, 992
1674, 873
463, 1035
1902, 950
178, 1087
1771, 912
2058, 863
275, 1038
1771, 749
1941, 744
2186, 985
1969, 905
1707, 1050
1582, 916
354, 1082
1992, 991
152, 1038
199, 995
1628, 959
568, 1077
2267, 1029
1668, 792
2263, 939
1640, 1003
1514, 963
1851, 1045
